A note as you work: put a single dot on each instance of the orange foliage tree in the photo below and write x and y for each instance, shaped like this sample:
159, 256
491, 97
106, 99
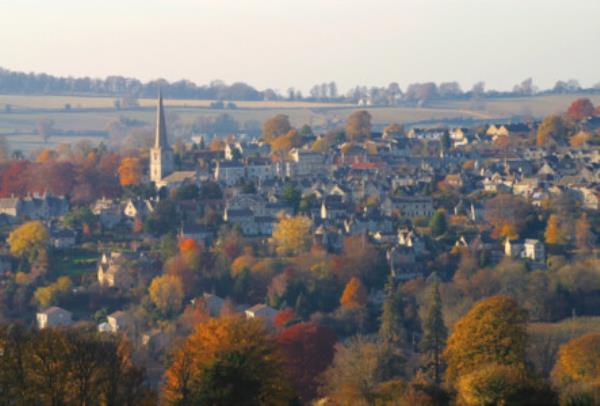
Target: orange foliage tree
227, 361
355, 294
552, 233
492, 332
578, 361
580, 109
130, 171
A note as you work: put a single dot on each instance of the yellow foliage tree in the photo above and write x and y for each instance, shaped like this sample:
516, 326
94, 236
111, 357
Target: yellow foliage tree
166, 292
28, 240
358, 125
230, 360
492, 332
46, 296
578, 361
355, 294
242, 262
493, 384
130, 171
552, 234
292, 235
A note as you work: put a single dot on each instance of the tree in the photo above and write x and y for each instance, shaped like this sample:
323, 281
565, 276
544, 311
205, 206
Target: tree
498, 384
492, 332
227, 361
130, 171
276, 127
307, 351
391, 328
553, 234
580, 109
358, 368
354, 295
292, 235
553, 130
580, 139
166, 292
584, 238
358, 125
434, 335
507, 214
29, 240
46, 296
394, 130
438, 223
578, 361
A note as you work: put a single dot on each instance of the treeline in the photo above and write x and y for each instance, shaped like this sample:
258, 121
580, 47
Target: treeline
40, 83
12, 82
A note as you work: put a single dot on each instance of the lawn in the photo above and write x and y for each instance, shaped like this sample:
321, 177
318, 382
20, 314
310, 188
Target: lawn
75, 262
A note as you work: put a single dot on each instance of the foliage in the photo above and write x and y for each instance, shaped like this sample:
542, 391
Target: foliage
68, 367
130, 171
553, 130
307, 351
358, 367
358, 125
580, 109
438, 223
355, 294
493, 331
435, 334
275, 127
553, 234
28, 240
230, 360
578, 361
498, 384
292, 235
49, 295
166, 292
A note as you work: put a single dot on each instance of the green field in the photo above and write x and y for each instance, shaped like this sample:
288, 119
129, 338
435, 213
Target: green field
94, 113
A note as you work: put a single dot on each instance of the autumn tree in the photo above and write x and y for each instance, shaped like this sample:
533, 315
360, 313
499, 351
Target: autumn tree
553, 130
358, 125
292, 235
358, 368
307, 351
553, 234
130, 171
492, 332
580, 109
584, 237
48, 295
227, 361
580, 139
28, 240
166, 292
275, 127
507, 214
499, 384
354, 295
394, 130
434, 335
216, 145
578, 361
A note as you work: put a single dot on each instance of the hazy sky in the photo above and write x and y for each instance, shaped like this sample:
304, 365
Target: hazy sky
283, 43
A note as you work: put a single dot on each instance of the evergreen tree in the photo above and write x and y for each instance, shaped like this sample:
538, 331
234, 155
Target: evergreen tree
391, 329
438, 223
434, 335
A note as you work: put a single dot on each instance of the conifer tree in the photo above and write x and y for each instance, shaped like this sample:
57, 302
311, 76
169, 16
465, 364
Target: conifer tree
391, 329
434, 335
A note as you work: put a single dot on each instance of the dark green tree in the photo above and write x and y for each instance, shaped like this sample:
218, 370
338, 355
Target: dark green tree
438, 223
435, 334
391, 328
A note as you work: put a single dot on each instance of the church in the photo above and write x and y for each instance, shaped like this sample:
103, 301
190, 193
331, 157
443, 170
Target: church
161, 156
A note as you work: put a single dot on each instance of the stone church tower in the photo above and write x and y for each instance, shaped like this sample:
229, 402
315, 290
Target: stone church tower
161, 155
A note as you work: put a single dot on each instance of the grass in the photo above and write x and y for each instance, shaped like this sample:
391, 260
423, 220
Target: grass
74, 262
97, 112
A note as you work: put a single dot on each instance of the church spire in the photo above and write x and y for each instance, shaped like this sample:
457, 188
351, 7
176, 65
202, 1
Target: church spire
160, 140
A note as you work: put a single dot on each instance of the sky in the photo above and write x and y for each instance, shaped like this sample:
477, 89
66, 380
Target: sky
297, 43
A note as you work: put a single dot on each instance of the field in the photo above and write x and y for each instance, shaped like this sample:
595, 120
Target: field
18, 122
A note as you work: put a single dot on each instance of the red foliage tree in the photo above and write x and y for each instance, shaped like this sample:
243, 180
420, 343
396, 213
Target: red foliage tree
283, 317
14, 178
308, 350
580, 109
